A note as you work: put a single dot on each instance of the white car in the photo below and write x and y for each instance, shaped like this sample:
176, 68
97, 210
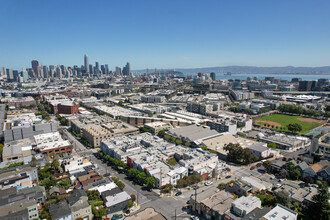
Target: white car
208, 183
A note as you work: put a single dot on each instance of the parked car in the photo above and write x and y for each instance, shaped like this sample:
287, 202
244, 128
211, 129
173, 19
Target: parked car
252, 168
178, 193
208, 183
227, 177
116, 216
259, 164
193, 217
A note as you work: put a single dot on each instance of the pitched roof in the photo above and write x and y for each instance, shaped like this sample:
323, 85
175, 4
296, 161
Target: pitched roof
303, 165
59, 210
315, 167
76, 195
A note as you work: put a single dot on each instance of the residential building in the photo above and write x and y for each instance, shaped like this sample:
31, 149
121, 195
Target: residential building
79, 206
243, 206
212, 203
21, 177
280, 212
60, 211
241, 95
146, 214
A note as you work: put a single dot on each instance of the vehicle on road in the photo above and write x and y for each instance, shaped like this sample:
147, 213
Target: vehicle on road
252, 168
193, 217
116, 216
259, 164
208, 183
178, 193
227, 177
188, 202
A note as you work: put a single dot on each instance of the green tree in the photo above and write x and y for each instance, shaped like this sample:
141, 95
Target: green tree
320, 209
271, 145
65, 183
283, 198
63, 121
48, 182
141, 177
294, 127
172, 161
221, 186
129, 204
167, 188
55, 164
234, 152
120, 184
150, 114
295, 174
150, 182
133, 172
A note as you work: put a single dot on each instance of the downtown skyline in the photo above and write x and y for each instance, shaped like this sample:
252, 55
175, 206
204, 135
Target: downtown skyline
184, 34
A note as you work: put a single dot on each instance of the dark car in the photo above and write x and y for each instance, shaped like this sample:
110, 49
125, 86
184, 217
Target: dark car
259, 164
178, 193
252, 168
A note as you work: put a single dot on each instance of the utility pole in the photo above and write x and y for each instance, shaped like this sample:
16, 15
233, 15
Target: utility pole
195, 188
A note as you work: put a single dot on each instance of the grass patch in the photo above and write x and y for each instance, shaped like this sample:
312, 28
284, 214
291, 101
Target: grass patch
284, 120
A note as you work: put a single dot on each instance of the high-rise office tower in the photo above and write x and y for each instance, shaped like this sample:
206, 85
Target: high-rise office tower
212, 75
52, 71
10, 75
86, 63
35, 65
58, 72
15, 74
91, 69
127, 69
102, 69
25, 75
118, 71
106, 69
45, 70
97, 68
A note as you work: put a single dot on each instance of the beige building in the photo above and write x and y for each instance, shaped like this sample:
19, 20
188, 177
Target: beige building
157, 126
16, 149
94, 134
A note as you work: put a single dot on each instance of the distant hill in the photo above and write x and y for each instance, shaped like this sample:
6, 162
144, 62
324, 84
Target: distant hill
254, 69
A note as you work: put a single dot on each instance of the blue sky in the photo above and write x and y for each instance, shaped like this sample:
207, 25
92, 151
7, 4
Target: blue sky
165, 34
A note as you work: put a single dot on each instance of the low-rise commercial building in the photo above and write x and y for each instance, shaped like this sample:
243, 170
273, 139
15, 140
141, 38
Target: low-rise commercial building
52, 143
156, 126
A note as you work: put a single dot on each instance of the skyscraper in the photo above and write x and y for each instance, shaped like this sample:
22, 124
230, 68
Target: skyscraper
10, 75
118, 71
212, 75
45, 70
35, 65
86, 63
3, 71
127, 69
